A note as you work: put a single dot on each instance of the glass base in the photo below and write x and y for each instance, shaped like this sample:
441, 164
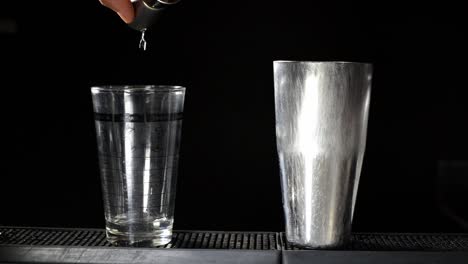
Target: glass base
155, 238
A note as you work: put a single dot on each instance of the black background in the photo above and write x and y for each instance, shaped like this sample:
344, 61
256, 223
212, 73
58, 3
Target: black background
222, 51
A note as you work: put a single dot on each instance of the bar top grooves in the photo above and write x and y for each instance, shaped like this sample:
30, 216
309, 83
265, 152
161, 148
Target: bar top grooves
35, 236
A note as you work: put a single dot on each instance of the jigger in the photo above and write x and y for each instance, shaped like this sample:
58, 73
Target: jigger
147, 12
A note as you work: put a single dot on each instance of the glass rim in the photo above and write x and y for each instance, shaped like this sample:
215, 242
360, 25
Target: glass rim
137, 88
323, 62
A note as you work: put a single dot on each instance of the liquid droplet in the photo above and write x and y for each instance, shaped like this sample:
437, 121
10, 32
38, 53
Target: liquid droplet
142, 44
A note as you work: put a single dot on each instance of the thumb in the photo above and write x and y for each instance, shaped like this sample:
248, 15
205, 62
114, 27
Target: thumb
123, 8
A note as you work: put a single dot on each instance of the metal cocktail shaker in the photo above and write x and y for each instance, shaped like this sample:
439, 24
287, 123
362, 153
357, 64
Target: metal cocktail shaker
147, 12
321, 125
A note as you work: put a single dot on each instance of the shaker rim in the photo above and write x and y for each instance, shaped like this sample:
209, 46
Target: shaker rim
323, 62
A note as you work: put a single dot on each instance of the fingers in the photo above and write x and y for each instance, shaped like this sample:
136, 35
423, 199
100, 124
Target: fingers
123, 8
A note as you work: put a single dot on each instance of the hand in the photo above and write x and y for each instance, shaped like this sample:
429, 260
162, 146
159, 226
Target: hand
123, 8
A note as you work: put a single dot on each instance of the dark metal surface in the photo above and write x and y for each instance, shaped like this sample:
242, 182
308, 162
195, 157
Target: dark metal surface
147, 12
97, 237
400, 242
372, 257
104, 255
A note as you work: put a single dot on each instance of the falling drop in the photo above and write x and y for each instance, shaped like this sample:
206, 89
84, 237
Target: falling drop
143, 40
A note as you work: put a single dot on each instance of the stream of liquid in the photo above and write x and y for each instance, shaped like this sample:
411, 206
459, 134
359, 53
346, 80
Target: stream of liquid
143, 42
